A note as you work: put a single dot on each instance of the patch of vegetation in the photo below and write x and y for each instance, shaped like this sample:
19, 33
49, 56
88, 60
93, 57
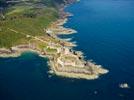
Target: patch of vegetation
26, 16
50, 50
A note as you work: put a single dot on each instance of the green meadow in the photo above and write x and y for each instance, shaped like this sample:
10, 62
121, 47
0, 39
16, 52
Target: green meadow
30, 17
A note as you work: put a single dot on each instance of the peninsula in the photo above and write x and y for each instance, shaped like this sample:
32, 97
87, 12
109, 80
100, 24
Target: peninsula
33, 25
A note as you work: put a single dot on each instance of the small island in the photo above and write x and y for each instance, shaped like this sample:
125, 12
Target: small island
34, 25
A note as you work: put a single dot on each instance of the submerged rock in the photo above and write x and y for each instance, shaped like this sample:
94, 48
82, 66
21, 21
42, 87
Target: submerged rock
124, 85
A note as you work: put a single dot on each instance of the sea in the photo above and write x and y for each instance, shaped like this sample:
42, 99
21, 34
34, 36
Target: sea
105, 34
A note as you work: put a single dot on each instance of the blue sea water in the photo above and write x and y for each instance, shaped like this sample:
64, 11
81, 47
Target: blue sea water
105, 34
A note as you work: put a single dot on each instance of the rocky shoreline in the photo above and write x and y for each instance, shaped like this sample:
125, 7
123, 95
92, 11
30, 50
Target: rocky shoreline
63, 60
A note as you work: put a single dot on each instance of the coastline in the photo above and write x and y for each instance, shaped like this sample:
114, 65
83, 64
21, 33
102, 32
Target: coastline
59, 62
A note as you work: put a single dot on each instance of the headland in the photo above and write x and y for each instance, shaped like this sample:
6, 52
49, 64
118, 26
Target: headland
63, 60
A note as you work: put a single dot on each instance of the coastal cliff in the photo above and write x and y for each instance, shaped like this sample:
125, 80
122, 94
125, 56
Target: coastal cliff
36, 29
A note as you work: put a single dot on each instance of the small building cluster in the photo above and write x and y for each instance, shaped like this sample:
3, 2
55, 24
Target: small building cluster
68, 58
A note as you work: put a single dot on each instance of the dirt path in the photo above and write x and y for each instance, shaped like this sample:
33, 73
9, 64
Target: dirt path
27, 35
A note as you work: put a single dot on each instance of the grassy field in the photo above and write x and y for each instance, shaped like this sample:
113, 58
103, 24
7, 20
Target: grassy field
30, 17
